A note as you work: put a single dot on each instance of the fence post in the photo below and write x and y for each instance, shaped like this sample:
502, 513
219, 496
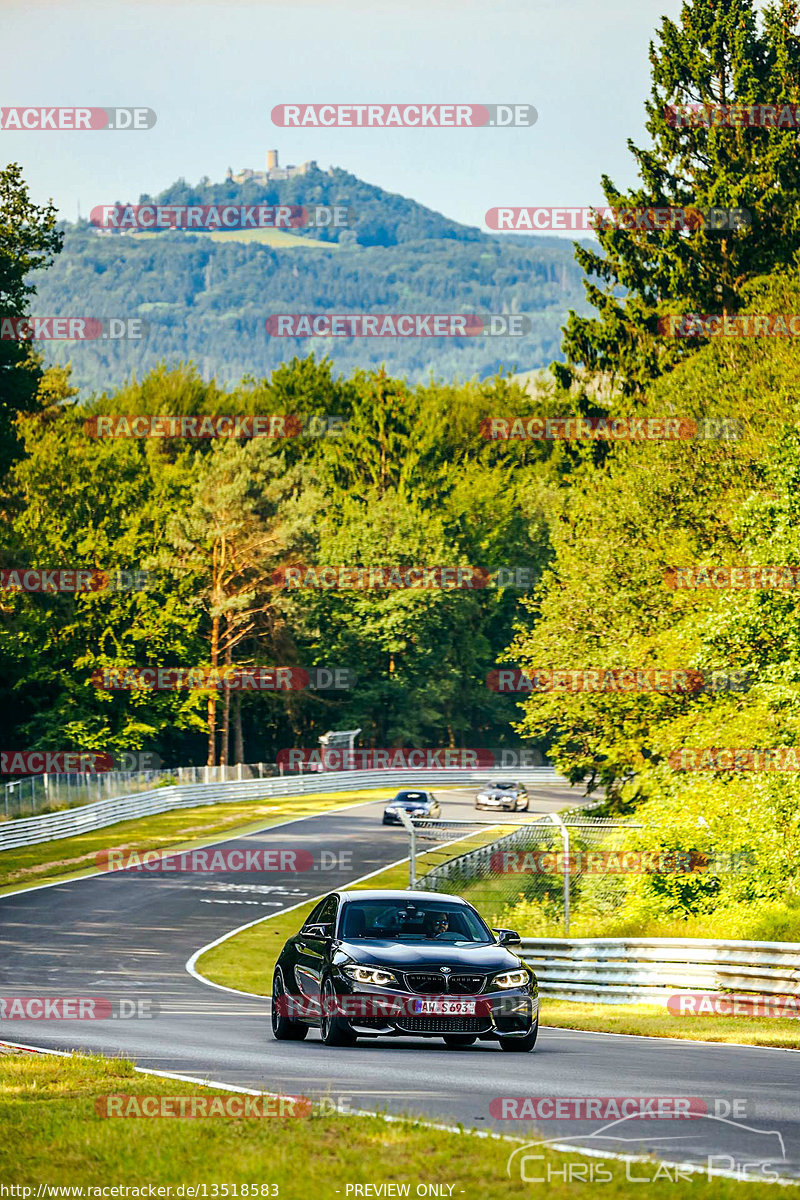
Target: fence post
556, 819
412, 849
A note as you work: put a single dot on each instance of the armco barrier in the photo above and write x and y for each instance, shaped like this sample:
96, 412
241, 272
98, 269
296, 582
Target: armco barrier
52, 826
649, 970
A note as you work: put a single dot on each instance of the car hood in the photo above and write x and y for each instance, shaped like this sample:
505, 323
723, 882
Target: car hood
416, 956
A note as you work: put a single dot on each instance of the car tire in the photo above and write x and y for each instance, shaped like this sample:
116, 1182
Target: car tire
283, 1029
520, 1045
458, 1041
335, 1030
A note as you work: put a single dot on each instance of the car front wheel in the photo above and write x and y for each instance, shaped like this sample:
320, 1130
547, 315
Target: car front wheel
334, 1029
283, 1029
520, 1044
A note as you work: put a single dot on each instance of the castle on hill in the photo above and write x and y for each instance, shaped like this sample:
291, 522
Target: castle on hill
273, 171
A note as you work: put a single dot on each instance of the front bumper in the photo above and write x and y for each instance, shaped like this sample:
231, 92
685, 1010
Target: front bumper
387, 1012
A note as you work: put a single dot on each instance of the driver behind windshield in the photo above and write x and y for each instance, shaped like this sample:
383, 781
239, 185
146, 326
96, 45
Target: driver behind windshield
374, 919
436, 924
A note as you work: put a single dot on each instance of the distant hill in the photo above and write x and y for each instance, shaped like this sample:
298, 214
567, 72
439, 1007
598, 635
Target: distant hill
206, 296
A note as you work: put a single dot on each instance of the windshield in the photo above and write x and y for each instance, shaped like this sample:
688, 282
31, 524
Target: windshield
505, 787
410, 798
405, 921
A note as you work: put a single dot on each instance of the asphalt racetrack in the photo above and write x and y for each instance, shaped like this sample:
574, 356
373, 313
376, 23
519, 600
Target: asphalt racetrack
129, 935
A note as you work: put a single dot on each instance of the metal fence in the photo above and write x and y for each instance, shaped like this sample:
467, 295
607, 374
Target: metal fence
544, 862
50, 793
650, 970
51, 826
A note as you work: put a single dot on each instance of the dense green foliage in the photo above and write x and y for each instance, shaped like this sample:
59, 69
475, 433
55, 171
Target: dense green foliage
382, 218
410, 481
207, 302
605, 602
28, 240
720, 53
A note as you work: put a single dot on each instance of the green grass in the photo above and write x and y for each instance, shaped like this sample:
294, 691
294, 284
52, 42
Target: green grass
652, 1021
54, 1135
247, 959
181, 829
765, 921
278, 239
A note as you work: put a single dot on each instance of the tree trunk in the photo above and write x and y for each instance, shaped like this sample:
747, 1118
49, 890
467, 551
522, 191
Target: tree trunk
238, 738
226, 711
212, 696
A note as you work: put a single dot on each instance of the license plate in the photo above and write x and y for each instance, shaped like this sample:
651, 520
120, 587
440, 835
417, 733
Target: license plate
445, 1008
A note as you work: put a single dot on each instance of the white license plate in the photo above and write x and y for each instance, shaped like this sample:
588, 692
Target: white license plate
445, 1008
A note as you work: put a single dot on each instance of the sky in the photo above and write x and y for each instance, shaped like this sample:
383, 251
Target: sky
213, 72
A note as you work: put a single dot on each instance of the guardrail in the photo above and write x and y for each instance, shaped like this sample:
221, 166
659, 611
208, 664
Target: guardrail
649, 970
53, 826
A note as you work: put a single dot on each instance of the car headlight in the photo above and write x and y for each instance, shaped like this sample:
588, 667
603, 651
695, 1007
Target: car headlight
510, 979
370, 975
390, 809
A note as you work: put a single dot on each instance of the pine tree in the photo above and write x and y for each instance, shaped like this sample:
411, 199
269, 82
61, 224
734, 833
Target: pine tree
717, 55
28, 240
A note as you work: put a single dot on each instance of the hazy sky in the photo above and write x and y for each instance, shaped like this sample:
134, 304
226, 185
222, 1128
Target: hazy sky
214, 71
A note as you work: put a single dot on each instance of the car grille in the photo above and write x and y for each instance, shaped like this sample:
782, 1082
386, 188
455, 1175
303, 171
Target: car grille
437, 985
444, 1024
431, 985
466, 985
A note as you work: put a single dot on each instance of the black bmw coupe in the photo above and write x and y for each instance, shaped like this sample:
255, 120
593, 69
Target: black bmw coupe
393, 964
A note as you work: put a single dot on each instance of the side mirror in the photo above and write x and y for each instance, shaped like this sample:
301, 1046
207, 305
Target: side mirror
322, 931
508, 937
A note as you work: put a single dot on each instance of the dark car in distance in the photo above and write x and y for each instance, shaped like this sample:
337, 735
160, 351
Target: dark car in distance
512, 797
416, 804
371, 964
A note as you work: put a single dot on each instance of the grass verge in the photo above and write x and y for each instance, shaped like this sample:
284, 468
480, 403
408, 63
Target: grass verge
181, 829
54, 1135
246, 962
